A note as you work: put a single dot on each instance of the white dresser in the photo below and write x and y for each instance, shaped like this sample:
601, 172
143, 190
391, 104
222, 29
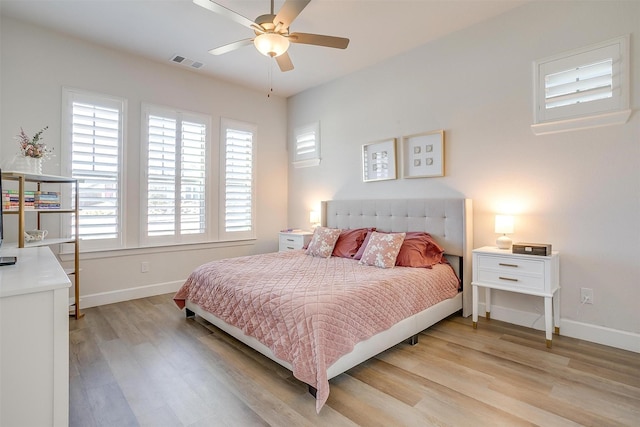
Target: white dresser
495, 268
34, 340
292, 240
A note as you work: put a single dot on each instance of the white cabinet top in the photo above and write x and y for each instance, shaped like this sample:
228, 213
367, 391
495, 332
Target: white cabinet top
37, 270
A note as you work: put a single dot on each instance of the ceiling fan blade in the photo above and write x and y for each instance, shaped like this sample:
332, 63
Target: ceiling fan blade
231, 47
284, 62
319, 40
228, 13
289, 11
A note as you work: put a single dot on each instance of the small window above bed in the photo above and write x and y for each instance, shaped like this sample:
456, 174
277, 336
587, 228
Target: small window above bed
307, 146
582, 88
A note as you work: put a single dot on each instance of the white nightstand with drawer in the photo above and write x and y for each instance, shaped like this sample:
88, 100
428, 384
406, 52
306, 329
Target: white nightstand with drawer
495, 268
292, 240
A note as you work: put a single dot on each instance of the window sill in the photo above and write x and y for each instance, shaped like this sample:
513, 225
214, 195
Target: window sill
145, 250
599, 120
306, 163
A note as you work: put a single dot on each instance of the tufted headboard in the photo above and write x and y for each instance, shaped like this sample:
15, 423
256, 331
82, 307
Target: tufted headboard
449, 221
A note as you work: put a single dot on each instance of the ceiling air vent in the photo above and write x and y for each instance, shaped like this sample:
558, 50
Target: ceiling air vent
186, 61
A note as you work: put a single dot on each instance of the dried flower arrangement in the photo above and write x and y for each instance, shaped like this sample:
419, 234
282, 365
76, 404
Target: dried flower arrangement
33, 147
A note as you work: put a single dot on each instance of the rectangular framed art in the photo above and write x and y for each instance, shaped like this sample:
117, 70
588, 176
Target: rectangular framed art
379, 160
423, 155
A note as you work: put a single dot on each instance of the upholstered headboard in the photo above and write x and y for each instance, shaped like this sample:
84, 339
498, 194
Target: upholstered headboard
449, 221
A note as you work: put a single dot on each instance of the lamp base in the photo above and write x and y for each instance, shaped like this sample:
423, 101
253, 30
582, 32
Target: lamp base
503, 242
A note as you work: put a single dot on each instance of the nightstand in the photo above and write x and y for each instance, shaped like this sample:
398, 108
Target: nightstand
495, 268
292, 240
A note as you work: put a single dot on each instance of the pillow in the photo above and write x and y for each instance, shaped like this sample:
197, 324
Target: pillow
349, 242
382, 249
323, 241
363, 246
419, 250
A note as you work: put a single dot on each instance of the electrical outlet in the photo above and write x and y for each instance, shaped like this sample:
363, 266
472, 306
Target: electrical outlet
144, 267
586, 296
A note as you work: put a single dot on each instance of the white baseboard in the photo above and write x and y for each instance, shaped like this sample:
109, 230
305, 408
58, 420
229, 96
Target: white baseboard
601, 335
585, 331
94, 300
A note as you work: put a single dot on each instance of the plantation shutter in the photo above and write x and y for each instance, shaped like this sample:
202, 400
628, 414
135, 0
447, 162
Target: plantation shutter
176, 177
193, 179
582, 88
307, 146
95, 162
585, 83
238, 187
161, 177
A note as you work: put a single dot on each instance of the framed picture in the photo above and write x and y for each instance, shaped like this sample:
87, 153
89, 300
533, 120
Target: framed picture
423, 155
379, 160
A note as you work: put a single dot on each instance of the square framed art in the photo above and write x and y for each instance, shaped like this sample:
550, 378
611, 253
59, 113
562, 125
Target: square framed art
379, 160
423, 155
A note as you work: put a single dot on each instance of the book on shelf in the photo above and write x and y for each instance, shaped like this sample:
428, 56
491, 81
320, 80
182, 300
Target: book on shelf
32, 200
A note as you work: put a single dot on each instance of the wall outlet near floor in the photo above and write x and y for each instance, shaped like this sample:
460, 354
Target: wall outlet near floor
144, 267
586, 296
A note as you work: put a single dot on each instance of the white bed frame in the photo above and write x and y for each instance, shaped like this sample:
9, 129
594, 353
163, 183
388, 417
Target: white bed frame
447, 220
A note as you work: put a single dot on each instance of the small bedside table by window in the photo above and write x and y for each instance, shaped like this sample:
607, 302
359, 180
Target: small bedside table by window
495, 268
292, 240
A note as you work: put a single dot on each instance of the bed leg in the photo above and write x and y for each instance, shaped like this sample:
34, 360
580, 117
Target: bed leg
188, 313
413, 340
312, 391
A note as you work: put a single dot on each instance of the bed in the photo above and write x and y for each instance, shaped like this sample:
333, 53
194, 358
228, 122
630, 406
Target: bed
316, 328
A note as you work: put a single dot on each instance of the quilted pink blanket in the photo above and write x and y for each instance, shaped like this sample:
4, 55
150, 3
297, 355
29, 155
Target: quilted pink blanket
311, 311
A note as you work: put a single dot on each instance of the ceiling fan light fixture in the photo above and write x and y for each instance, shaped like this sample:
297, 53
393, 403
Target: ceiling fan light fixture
271, 44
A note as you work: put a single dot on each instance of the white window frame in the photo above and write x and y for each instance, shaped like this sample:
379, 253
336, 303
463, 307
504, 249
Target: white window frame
176, 238
69, 96
226, 124
306, 145
602, 112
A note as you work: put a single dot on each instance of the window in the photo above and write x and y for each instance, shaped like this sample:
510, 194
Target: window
94, 125
237, 204
174, 191
583, 88
307, 146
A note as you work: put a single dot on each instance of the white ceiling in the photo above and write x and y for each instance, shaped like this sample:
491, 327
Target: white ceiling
160, 29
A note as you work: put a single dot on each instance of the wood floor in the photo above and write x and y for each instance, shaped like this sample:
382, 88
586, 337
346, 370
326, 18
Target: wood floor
142, 363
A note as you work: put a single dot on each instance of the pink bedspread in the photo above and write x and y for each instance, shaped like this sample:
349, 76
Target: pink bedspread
311, 311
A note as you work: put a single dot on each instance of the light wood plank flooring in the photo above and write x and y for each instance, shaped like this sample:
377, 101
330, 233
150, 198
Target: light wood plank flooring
142, 363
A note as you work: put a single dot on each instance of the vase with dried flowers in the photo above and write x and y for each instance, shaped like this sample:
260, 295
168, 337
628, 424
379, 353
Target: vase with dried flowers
32, 152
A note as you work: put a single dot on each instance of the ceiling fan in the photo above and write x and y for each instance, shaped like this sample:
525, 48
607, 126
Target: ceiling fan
272, 32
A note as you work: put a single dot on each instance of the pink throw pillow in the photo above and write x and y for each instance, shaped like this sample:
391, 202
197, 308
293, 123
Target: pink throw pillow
323, 241
382, 249
350, 242
363, 246
419, 250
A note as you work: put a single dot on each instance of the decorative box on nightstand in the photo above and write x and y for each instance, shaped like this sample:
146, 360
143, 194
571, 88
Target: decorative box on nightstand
292, 240
495, 268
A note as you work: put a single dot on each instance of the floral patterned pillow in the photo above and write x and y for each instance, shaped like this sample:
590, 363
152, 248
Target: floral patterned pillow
323, 241
382, 249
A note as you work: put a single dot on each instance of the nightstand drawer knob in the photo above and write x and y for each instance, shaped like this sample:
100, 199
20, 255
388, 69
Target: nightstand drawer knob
507, 278
290, 240
507, 265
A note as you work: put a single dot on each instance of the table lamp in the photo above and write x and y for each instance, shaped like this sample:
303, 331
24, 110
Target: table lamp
504, 226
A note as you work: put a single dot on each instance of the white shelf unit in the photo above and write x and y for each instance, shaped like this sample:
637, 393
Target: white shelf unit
23, 178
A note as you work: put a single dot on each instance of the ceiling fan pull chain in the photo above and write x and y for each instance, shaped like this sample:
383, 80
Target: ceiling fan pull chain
270, 74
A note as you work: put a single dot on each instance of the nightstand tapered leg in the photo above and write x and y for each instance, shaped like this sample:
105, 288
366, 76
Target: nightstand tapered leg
548, 319
556, 312
474, 306
487, 303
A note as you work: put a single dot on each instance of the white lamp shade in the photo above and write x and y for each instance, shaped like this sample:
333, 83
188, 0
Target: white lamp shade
271, 44
314, 217
504, 224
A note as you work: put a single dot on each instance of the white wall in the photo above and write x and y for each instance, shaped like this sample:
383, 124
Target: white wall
579, 191
37, 63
